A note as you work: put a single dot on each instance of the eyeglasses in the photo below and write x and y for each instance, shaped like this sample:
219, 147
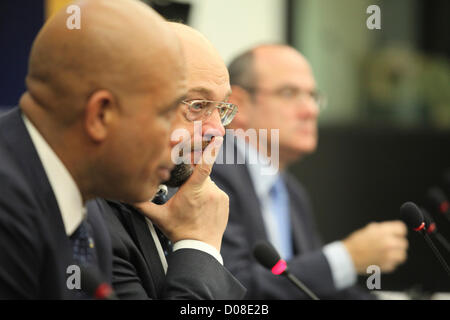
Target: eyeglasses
202, 109
289, 94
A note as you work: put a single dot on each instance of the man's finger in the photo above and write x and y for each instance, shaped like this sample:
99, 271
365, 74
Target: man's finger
203, 169
397, 228
154, 212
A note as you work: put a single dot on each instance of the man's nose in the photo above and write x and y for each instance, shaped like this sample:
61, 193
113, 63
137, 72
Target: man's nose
308, 108
212, 126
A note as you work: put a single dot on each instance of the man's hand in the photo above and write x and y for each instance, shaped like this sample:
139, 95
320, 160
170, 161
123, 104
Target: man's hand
199, 210
383, 244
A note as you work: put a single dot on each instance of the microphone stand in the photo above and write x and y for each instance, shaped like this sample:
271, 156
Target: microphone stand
300, 285
436, 253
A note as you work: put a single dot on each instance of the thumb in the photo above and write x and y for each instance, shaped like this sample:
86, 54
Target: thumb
156, 213
203, 169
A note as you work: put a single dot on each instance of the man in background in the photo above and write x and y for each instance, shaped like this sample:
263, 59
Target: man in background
275, 90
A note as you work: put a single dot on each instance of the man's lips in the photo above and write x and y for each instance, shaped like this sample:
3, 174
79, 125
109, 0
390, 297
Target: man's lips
307, 129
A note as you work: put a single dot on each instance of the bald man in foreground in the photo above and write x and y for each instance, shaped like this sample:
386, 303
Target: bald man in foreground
145, 265
94, 122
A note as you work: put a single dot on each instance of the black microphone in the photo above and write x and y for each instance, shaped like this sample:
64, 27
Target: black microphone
446, 179
93, 284
269, 258
161, 196
412, 216
431, 229
439, 202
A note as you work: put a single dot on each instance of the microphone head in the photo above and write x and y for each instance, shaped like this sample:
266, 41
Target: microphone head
269, 257
430, 225
438, 200
412, 216
93, 284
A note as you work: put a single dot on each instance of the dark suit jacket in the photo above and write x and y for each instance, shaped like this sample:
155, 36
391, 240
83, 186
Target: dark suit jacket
138, 272
34, 248
246, 227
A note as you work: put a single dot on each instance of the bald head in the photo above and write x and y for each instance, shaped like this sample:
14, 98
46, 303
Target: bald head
268, 58
251, 65
108, 89
117, 48
204, 65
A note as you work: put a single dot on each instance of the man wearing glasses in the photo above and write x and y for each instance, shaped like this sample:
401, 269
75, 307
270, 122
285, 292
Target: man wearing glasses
159, 255
275, 90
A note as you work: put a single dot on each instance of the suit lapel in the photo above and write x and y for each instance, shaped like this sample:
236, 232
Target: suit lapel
255, 210
300, 233
16, 134
146, 244
252, 211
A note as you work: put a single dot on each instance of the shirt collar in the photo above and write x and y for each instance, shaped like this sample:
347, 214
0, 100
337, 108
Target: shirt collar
257, 163
66, 192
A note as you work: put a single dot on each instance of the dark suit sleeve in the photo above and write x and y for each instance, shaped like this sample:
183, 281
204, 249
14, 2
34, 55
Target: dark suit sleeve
311, 267
20, 244
261, 283
126, 282
191, 274
315, 259
194, 274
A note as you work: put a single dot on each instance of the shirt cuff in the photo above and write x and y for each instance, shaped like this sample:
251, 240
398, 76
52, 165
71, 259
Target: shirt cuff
341, 265
198, 245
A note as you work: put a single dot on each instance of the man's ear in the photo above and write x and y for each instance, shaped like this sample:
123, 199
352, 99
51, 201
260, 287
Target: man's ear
242, 99
99, 114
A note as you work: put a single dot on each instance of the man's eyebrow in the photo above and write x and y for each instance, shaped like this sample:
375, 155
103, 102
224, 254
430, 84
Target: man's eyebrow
294, 86
177, 101
203, 91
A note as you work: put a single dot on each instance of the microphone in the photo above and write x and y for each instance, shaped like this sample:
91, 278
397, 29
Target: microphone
269, 258
431, 229
94, 286
447, 181
412, 216
161, 196
439, 202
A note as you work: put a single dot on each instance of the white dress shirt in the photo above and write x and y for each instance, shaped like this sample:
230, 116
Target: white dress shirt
182, 244
67, 194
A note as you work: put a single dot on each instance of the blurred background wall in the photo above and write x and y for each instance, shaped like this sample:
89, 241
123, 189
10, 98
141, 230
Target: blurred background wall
385, 136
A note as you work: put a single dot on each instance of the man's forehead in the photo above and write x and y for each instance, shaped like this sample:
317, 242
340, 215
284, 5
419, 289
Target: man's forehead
279, 58
284, 73
209, 93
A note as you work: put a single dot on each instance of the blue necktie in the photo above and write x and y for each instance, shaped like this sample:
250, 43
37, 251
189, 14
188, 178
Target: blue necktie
84, 253
280, 210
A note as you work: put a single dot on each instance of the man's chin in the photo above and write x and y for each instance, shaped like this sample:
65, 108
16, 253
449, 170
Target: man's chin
305, 148
179, 175
144, 194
